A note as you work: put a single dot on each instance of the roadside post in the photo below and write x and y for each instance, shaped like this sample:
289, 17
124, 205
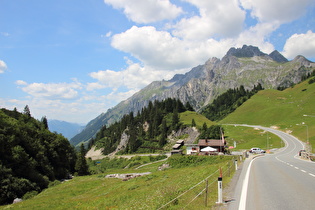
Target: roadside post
206, 199
235, 162
229, 168
220, 191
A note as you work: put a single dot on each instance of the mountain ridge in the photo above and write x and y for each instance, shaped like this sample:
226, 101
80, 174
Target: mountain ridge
204, 82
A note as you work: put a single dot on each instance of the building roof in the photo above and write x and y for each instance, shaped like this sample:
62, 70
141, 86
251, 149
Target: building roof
176, 146
211, 142
191, 145
180, 142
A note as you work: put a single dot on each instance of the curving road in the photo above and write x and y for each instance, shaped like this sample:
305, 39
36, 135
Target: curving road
277, 181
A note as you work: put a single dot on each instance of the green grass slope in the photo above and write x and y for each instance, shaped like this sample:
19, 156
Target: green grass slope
187, 117
248, 137
285, 109
146, 192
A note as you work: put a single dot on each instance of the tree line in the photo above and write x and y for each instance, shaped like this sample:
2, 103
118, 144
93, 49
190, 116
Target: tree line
147, 130
227, 102
31, 157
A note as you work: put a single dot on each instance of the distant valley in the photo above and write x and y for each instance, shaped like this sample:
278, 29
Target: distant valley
67, 129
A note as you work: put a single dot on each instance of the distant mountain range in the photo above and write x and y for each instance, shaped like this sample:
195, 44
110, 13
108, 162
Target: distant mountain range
67, 129
245, 66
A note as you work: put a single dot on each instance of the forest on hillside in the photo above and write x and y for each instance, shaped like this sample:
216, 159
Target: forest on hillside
227, 102
31, 157
147, 130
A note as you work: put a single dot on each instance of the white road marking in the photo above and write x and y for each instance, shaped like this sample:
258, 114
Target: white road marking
303, 171
242, 204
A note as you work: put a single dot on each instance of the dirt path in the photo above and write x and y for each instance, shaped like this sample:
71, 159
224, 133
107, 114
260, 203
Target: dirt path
151, 163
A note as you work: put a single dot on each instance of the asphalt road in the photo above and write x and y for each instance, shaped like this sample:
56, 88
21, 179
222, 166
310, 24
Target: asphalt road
277, 181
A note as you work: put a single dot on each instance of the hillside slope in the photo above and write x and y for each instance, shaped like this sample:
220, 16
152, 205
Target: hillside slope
245, 66
291, 110
30, 156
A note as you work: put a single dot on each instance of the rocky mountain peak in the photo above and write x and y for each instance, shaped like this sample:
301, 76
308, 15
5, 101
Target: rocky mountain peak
278, 57
303, 61
245, 51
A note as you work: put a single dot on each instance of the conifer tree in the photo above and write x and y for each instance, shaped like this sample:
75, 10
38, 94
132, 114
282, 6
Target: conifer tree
204, 130
44, 122
175, 119
163, 138
27, 111
81, 166
189, 107
193, 123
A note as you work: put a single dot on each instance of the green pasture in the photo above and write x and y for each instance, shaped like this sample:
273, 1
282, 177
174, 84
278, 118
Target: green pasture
291, 110
146, 192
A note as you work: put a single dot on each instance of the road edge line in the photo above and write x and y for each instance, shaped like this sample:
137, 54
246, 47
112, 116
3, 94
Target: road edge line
242, 204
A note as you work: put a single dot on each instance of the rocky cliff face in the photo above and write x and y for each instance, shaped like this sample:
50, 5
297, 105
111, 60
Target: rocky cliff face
245, 66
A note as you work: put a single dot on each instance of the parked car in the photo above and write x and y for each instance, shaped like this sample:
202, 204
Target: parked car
256, 150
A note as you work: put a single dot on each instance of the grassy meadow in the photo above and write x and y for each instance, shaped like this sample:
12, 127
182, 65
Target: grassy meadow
247, 137
291, 110
187, 117
146, 192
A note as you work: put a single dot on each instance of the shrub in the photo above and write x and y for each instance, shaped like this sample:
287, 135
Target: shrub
311, 81
29, 195
54, 183
178, 161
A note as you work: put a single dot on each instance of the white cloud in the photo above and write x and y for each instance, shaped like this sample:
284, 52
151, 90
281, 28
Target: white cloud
280, 11
195, 38
300, 44
256, 36
220, 18
94, 86
20, 82
134, 77
144, 11
107, 78
79, 110
108, 34
159, 49
3, 67
51, 90
191, 41
117, 97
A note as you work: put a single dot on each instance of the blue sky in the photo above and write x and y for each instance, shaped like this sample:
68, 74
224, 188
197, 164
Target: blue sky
71, 60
